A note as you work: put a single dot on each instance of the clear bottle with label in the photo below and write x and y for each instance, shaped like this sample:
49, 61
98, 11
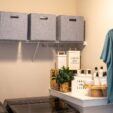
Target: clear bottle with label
75, 72
82, 73
78, 72
88, 73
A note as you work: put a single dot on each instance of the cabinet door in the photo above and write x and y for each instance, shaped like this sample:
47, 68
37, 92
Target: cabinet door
70, 28
13, 26
43, 27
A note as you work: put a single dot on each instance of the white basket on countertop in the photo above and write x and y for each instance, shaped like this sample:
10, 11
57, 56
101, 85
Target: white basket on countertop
78, 85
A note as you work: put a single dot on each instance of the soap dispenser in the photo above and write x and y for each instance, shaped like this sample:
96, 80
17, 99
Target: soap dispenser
96, 77
95, 72
104, 79
101, 72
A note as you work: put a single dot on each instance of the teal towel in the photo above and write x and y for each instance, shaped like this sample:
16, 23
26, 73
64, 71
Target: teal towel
107, 56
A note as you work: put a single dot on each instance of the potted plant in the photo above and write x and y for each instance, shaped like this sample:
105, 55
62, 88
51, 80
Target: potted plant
64, 78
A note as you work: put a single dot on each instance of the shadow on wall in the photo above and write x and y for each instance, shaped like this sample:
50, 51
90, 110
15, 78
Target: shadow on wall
46, 51
12, 51
8, 51
34, 52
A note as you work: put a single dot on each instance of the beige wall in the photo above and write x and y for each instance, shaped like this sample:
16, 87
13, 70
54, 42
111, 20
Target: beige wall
40, 6
99, 19
19, 76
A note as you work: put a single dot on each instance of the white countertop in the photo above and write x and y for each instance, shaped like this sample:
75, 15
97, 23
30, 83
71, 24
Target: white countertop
81, 100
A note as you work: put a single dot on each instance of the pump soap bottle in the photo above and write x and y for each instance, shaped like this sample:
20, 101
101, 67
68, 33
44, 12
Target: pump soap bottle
96, 77
101, 72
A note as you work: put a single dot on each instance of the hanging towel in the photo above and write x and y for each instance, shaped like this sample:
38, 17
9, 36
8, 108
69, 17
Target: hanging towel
107, 57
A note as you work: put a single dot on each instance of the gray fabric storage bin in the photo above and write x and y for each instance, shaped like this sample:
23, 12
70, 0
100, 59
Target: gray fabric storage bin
13, 26
70, 28
42, 27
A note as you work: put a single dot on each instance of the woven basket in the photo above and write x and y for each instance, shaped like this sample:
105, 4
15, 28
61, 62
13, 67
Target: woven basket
98, 91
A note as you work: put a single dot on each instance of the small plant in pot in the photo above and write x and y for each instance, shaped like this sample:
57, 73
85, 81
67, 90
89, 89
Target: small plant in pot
64, 78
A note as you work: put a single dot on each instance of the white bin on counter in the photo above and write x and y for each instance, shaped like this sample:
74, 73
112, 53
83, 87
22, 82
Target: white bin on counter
78, 85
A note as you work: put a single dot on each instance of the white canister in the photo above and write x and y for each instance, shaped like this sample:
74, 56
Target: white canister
73, 59
61, 59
